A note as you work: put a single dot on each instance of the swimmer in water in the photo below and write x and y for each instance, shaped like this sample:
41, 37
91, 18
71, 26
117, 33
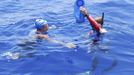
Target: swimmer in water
95, 24
42, 27
41, 32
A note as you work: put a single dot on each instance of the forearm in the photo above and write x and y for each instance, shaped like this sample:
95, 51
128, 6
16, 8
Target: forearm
93, 23
68, 45
55, 41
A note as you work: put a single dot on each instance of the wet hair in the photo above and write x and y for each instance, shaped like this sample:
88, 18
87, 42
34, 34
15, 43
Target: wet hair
98, 20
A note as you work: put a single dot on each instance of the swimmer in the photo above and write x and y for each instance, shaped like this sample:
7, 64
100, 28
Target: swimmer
42, 27
95, 24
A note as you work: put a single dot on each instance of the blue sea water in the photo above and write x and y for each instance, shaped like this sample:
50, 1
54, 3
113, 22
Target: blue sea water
114, 55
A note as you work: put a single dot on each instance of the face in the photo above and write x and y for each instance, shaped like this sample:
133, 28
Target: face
45, 28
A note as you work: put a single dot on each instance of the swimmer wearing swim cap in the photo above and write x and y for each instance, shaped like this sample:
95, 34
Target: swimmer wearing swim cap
41, 26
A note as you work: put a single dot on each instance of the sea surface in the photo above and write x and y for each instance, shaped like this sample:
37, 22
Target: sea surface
112, 55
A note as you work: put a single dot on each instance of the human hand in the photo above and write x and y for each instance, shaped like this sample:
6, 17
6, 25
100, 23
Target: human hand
83, 10
70, 45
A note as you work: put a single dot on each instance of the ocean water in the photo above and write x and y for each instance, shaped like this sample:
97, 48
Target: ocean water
113, 55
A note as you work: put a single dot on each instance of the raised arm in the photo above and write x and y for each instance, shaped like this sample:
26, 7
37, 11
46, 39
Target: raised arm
93, 23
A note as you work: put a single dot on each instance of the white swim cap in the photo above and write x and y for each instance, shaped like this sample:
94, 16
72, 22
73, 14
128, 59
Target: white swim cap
39, 23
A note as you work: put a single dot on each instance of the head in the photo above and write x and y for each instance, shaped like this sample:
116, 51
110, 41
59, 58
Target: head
41, 25
98, 20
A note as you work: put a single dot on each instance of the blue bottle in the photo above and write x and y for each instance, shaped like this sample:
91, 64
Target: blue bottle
77, 14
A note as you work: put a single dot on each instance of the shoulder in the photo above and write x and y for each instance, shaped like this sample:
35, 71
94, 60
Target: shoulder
32, 32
